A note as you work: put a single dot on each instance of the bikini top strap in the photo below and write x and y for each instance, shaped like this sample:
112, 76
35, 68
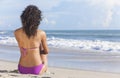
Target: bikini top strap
24, 50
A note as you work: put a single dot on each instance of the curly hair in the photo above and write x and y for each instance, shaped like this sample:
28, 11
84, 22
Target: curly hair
30, 19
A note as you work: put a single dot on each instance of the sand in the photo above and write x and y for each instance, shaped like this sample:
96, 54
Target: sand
8, 69
94, 60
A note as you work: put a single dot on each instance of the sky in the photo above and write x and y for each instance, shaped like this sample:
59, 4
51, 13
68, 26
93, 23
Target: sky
64, 14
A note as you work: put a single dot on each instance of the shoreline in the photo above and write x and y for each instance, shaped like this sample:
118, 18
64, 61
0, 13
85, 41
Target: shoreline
72, 59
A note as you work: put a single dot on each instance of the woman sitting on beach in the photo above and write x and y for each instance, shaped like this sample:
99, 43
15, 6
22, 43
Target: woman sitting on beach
30, 41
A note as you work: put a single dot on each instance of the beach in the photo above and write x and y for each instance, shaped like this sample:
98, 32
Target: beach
80, 37
73, 54
62, 68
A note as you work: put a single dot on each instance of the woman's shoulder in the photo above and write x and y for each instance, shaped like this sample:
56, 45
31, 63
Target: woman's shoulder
16, 33
17, 30
41, 32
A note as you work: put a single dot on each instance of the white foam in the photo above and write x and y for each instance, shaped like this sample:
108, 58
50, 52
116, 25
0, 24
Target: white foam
72, 44
8, 41
85, 44
1, 32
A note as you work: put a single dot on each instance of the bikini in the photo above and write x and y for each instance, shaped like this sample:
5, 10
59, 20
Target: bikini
29, 70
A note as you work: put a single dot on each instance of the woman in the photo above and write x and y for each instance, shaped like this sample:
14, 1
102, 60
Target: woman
29, 40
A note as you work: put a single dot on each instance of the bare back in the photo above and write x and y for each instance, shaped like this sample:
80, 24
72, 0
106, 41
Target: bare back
32, 57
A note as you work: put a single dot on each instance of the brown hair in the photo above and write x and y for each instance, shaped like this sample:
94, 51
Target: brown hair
30, 19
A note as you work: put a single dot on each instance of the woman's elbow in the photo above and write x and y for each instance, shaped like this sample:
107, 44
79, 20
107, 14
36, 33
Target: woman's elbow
47, 51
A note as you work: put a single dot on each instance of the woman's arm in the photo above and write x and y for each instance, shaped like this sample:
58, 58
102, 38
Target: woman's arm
44, 50
41, 49
43, 56
44, 43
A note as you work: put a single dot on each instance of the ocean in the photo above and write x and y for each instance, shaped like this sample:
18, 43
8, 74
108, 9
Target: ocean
100, 40
97, 50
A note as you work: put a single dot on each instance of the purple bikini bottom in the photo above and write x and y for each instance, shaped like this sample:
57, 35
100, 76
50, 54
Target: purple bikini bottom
30, 70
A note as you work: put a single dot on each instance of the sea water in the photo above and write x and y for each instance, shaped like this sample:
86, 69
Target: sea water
101, 40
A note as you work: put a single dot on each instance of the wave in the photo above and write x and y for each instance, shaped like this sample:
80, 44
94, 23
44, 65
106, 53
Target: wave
2, 32
72, 44
84, 44
8, 41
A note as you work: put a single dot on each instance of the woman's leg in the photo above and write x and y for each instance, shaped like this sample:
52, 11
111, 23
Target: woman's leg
43, 70
44, 62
